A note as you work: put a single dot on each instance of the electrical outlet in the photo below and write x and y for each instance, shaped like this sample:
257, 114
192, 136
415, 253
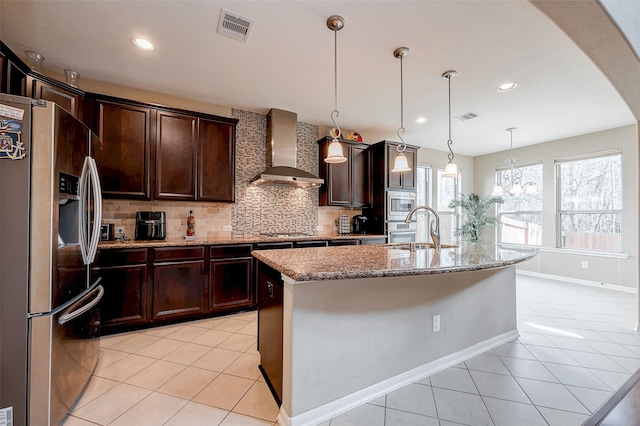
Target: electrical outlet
436, 323
119, 230
319, 228
585, 264
226, 228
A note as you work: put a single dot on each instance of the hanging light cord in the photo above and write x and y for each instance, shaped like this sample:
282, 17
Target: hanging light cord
335, 114
402, 147
450, 142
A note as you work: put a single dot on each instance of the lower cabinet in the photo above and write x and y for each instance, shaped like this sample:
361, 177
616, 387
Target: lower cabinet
124, 276
230, 283
178, 282
270, 333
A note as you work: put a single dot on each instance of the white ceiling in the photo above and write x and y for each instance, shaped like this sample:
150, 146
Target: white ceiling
287, 63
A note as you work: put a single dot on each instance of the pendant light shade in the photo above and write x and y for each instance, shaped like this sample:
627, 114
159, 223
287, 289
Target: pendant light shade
401, 164
451, 170
335, 155
497, 191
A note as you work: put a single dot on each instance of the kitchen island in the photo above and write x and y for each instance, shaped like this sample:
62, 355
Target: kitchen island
339, 326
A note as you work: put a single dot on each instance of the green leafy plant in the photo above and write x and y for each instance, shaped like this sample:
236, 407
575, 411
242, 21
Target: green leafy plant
475, 215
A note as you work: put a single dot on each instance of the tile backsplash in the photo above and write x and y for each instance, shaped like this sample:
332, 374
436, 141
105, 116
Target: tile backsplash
257, 209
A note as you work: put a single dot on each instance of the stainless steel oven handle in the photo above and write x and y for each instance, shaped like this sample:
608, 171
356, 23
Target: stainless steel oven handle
74, 314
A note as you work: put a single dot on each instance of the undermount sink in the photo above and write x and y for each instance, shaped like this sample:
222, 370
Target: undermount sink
417, 246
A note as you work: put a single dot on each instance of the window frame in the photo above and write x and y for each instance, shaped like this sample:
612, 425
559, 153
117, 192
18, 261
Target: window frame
559, 211
457, 212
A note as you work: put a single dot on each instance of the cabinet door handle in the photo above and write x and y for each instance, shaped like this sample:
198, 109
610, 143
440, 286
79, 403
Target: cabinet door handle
270, 289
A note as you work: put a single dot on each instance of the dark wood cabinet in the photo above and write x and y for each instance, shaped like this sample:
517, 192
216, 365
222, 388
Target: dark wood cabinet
270, 327
401, 180
71, 101
178, 282
216, 161
124, 276
13, 73
303, 244
345, 184
145, 152
176, 149
123, 149
230, 277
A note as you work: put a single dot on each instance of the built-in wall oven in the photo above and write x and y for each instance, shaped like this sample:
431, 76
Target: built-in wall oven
399, 204
401, 232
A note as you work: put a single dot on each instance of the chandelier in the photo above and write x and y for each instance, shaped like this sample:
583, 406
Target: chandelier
512, 177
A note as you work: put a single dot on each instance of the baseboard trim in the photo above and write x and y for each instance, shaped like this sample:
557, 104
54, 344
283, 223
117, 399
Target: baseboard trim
579, 281
346, 403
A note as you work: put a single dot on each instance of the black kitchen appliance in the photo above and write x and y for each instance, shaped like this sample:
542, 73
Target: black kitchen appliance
106, 232
151, 226
359, 225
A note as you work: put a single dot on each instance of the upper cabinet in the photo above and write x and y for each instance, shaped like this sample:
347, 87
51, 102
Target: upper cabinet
216, 158
345, 184
16, 78
123, 149
176, 150
62, 94
146, 152
383, 155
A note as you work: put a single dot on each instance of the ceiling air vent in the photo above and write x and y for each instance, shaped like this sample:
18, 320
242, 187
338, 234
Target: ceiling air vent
467, 116
234, 26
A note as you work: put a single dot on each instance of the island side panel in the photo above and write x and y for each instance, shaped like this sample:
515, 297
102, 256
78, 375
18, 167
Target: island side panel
342, 336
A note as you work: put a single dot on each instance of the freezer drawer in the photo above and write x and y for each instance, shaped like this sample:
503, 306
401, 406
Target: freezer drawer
64, 349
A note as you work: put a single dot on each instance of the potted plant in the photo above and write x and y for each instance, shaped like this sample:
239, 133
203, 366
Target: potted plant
474, 215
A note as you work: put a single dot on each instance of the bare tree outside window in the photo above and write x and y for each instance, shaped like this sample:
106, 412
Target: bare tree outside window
590, 203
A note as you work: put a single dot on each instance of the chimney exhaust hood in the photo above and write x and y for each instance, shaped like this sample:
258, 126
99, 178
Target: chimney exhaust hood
282, 150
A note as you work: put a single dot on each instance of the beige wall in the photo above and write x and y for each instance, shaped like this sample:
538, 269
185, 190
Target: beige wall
602, 269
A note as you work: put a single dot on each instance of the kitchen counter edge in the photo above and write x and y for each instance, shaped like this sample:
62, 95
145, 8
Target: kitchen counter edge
181, 242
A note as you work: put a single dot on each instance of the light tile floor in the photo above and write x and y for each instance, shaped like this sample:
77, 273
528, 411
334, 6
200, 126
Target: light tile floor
576, 347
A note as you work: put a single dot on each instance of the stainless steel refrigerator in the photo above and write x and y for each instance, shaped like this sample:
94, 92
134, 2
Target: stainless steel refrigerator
50, 214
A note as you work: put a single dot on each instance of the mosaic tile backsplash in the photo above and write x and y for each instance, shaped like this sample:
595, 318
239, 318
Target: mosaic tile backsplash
257, 210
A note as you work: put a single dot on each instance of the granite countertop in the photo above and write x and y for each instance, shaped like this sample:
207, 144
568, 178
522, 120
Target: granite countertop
178, 242
367, 261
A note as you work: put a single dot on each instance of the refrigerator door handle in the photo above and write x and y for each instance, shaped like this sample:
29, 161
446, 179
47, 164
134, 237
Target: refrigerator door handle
90, 183
76, 313
97, 209
84, 214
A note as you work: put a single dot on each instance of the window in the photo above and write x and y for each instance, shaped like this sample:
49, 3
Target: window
423, 198
521, 215
590, 202
447, 189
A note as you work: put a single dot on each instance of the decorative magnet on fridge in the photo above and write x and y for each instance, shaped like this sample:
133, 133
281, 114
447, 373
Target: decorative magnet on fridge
10, 139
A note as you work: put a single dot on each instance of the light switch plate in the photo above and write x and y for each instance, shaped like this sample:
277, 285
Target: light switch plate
227, 228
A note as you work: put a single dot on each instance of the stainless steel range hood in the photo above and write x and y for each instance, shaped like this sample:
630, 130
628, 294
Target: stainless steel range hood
282, 150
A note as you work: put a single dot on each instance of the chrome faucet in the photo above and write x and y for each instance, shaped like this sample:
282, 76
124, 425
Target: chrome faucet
434, 231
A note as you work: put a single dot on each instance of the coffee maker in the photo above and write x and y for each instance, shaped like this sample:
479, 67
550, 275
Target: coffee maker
359, 225
151, 226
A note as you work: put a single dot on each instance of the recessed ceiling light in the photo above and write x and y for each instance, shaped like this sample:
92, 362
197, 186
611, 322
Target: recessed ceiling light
421, 120
143, 43
505, 87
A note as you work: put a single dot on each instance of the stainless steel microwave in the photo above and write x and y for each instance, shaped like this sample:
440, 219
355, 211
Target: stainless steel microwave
399, 204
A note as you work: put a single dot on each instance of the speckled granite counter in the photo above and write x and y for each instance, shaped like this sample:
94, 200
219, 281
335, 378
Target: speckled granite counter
331, 263
178, 242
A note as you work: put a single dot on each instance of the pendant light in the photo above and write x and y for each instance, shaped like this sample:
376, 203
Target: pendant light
513, 176
401, 164
335, 155
451, 170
